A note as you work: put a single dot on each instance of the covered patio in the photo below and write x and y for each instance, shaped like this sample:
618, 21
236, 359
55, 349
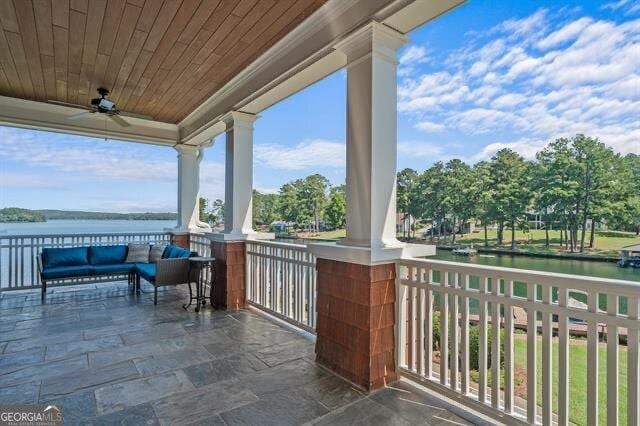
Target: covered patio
108, 357
377, 313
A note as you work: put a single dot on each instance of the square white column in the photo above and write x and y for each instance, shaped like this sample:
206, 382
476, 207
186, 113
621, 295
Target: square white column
238, 207
189, 158
371, 150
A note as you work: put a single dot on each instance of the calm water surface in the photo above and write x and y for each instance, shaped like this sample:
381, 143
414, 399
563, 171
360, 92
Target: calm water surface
564, 266
85, 227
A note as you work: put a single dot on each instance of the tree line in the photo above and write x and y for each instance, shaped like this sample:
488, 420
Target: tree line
572, 185
310, 203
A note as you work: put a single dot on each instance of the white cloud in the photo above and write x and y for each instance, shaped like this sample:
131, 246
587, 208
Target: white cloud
212, 180
83, 156
77, 159
410, 58
413, 54
311, 154
564, 34
551, 74
27, 181
509, 100
525, 147
628, 6
425, 150
430, 127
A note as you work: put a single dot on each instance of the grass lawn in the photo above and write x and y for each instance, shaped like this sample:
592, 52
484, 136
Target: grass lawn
326, 235
606, 243
578, 378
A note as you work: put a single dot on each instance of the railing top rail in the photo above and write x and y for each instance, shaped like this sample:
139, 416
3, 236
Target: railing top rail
573, 282
94, 234
278, 244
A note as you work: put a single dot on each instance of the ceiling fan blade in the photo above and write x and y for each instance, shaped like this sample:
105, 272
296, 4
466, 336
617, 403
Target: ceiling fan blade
67, 104
119, 120
79, 115
134, 115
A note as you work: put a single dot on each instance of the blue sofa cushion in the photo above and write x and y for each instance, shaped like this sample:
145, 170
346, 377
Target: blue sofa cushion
66, 272
107, 255
74, 256
175, 252
147, 271
120, 268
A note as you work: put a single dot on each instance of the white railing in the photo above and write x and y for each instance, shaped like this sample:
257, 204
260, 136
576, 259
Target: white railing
200, 243
19, 253
281, 279
464, 299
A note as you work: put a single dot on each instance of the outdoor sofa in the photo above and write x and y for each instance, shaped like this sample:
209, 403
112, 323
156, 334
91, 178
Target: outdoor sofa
114, 261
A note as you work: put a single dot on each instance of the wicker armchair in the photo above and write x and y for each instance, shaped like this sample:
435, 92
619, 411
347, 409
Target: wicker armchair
168, 272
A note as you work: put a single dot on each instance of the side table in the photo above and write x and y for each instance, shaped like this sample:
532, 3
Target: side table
198, 265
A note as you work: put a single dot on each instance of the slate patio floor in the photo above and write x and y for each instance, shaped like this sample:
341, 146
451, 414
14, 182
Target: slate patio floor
108, 357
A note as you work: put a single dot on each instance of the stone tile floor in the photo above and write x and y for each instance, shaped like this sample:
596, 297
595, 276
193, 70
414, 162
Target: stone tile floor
108, 357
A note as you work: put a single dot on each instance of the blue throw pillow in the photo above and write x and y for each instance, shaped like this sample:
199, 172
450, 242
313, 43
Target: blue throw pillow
175, 252
107, 255
74, 256
168, 252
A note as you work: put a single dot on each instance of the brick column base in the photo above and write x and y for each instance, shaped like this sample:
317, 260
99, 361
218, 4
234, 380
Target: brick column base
181, 240
229, 287
356, 320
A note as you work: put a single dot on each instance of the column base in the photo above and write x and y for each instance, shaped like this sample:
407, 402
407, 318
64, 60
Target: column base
229, 289
356, 321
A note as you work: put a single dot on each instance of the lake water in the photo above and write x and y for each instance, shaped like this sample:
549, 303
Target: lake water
85, 227
564, 266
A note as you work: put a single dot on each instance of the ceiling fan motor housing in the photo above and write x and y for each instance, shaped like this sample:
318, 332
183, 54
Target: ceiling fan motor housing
106, 104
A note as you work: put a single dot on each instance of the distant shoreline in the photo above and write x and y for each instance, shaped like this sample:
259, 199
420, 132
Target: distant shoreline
19, 215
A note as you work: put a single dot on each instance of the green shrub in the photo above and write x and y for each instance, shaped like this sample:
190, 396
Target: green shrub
474, 347
474, 343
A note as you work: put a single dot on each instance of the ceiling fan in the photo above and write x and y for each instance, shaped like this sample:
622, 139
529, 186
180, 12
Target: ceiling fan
101, 105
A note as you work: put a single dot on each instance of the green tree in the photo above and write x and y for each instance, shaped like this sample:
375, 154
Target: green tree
313, 197
431, 198
625, 215
290, 208
510, 178
216, 214
461, 194
484, 194
202, 208
597, 166
265, 208
336, 211
407, 179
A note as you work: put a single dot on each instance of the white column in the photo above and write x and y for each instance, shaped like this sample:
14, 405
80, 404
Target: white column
371, 148
188, 184
239, 178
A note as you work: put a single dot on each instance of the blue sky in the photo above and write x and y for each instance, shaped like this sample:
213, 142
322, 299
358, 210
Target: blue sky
487, 75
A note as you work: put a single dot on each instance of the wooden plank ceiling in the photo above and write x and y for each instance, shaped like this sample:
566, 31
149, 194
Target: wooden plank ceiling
160, 58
